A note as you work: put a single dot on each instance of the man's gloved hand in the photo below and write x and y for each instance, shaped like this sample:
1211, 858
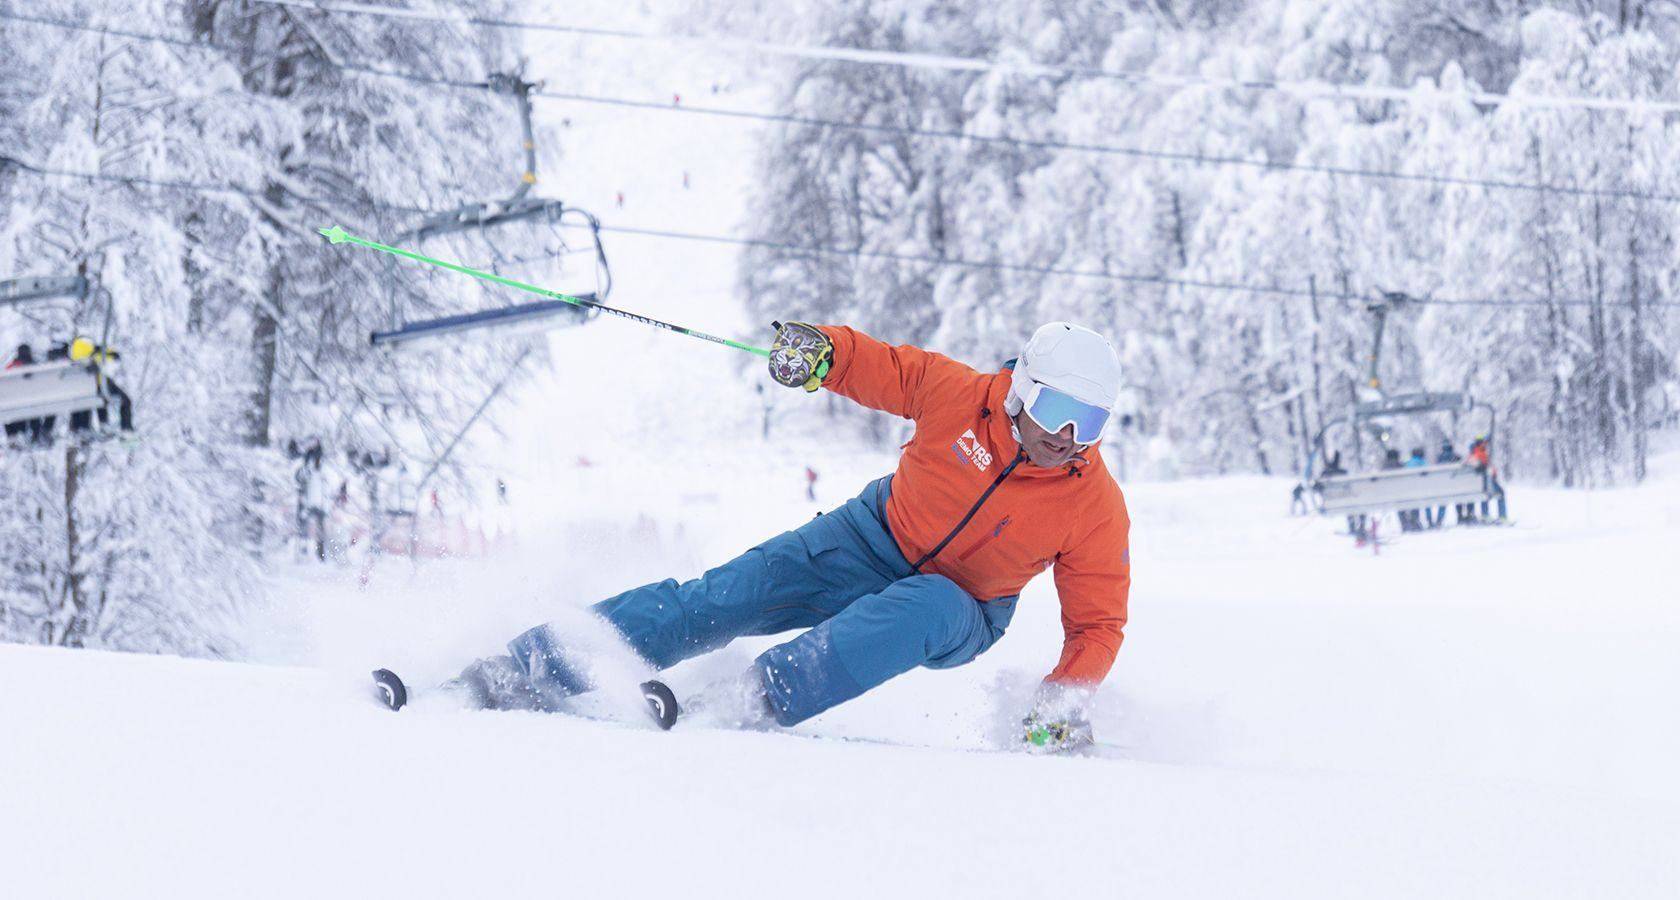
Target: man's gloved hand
1057, 722
800, 355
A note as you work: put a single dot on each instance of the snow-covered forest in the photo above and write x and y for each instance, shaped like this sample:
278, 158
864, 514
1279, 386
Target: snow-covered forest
1232, 236
182, 169
1229, 235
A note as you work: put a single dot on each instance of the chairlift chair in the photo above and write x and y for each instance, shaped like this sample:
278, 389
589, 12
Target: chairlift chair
1375, 412
482, 217
44, 392
48, 390
17, 291
1396, 489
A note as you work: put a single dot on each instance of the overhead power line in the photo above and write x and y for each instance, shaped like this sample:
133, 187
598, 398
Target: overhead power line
1174, 156
1308, 89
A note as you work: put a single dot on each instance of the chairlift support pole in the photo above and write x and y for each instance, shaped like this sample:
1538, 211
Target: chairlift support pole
480, 215
1380, 308
520, 90
517, 206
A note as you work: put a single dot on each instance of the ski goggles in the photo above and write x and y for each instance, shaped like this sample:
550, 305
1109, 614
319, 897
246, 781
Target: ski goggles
1053, 410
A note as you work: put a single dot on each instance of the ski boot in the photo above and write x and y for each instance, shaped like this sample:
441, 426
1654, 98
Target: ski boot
737, 702
497, 683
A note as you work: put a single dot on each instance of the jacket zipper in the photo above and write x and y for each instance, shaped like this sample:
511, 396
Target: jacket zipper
985, 539
1019, 455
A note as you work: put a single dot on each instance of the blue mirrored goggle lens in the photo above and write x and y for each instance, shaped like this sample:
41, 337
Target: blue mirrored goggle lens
1053, 410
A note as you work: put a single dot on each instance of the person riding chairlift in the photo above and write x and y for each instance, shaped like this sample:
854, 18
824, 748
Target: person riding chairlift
81, 349
1481, 456
39, 431
1448, 456
1332, 468
1412, 519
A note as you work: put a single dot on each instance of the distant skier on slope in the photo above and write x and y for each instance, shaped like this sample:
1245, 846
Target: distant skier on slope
1001, 481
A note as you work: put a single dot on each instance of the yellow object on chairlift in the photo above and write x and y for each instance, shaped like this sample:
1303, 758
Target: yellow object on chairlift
82, 349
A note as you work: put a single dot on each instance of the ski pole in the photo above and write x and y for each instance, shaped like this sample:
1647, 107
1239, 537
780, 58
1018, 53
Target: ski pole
338, 235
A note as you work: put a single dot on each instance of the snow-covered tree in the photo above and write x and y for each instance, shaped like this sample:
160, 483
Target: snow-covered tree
211, 154
1577, 360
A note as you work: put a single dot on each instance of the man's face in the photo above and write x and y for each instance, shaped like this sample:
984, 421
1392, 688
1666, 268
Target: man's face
1045, 448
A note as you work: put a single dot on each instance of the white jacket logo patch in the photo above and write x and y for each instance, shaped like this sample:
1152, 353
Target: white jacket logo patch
968, 447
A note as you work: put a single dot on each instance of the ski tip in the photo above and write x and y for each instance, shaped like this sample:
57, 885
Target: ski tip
662, 704
391, 690
334, 233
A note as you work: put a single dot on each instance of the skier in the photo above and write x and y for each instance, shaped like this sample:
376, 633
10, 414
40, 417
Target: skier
1391, 460
1001, 481
39, 430
1481, 457
1298, 500
1412, 519
312, 501
1447, 456
1333, 468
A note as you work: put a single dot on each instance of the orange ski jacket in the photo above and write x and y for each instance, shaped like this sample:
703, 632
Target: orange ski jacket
967, 504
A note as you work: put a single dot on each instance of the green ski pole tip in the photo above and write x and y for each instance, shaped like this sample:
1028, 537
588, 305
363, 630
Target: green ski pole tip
335, 234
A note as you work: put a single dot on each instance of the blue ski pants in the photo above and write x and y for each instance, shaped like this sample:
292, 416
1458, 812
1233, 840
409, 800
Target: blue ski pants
841, 575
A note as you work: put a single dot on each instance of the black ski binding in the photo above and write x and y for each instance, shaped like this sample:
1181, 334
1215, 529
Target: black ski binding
392, 692
662, 704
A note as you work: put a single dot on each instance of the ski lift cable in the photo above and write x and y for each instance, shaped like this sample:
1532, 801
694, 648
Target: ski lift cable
1193, 283
1199, 159
437, 222
1234, 287
1307, 89
197, 187
996, 140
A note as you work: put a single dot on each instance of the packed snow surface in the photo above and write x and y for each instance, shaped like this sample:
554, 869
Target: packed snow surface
1471, 713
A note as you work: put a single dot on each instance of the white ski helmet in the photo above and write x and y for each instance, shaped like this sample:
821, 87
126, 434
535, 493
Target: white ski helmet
1074, 361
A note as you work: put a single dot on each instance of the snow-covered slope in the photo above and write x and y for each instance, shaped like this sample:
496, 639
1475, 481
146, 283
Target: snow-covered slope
1470, 714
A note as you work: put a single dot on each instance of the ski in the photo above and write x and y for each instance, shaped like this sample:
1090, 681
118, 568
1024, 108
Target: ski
662, 704
389, 689
392, 693
1086, 750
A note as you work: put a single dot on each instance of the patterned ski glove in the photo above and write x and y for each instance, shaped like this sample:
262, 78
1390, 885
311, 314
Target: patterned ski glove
1057, 723
800, 355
